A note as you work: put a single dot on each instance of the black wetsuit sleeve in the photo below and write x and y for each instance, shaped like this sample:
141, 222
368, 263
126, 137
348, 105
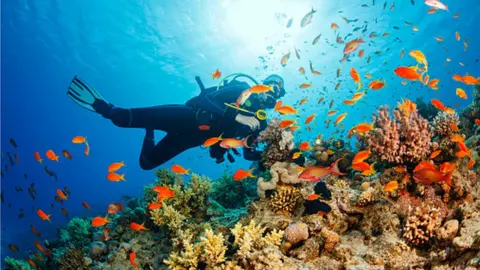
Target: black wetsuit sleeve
251, 154
215, 102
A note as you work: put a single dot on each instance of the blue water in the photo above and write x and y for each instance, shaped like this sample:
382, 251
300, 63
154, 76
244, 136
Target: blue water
144, 53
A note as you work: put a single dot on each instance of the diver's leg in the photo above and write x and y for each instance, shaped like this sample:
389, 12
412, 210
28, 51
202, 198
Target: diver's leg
169, 118
169, 147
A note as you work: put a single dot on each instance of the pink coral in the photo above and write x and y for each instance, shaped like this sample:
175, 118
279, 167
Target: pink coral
404, 138
443, 122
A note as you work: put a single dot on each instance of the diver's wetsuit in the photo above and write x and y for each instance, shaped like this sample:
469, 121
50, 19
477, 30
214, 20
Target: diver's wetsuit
182, 122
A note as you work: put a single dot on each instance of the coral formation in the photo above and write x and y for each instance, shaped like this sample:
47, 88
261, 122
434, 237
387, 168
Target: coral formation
285, 199
443, 124
421, 226
296, 232
404, 138
278, 143
73, 259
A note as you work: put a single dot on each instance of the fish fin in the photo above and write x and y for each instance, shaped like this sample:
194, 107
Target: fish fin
334, 168
448, 178
244, 142
187, 172
123, 177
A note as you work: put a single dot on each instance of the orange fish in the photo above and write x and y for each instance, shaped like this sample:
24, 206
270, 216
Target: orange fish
391, 186
229, 143
438, 104
469, 80
470, 164
61, 194
461, 93
115, 166
79, 139
42, 249
415, 28
432, 11
278, 104
293, 128
407, 73
363, 128
433, 84
361, 156
313, 197
301, 70
376, 85
331, 113
340, 118
353, 45
286, 123
361, 53
361, 166
132, 258
113, 208
242, 174
286, 110
435, 154
138, 227
100, 221
260, 88
212, 141
13, 247
164, 192
67, 154
31, 263
305, 85
87, 149
447, 167
428, 176
454, 127
400, 169
38, 157
368, 76
296, 155
285, 59
38, 256
305, 146
106, 233
43, 216
115, 177
51, 155
86, 205
303, 101
34, 230
217, 74
370, 170
457, 36
334, 26
349, 102
320, 100
358, 96
179, 169
154, 205
310, 119
316, 173
356, 77
477, 122
439, 39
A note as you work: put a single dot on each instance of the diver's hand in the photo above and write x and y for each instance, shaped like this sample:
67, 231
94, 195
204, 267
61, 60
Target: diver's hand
249, 121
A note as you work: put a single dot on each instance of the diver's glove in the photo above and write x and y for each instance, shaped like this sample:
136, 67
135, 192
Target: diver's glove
249, 121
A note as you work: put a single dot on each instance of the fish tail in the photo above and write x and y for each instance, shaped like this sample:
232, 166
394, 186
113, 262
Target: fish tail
187, 172
334, 168
40, 160
48, 218
250, 173
448, 178
122, 177
245, 142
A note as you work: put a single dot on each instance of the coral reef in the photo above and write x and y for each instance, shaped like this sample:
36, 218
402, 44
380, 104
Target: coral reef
233, 194
404, 138
443, 124
15, 264
278, 143
73, 259
296, 232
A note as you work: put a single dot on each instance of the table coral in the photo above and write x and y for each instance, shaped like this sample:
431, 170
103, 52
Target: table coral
404, 138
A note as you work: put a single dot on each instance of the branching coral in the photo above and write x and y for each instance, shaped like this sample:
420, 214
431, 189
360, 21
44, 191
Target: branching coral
279, 143
72, 259
211, 248
77, 233
285, 199
421, 225
443, 122
233, 194
404, 138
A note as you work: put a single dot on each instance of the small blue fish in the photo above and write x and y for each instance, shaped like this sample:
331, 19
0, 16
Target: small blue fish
289, 23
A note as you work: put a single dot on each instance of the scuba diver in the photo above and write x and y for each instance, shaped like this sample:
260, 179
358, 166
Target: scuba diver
210, 114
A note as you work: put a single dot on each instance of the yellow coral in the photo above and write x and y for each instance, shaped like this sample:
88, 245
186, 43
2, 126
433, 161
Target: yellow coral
285, 199
273, 238
228, 266
187, 259
213, 248
168, 216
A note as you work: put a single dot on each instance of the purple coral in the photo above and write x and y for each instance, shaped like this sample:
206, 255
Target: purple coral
404, 138
279, 143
